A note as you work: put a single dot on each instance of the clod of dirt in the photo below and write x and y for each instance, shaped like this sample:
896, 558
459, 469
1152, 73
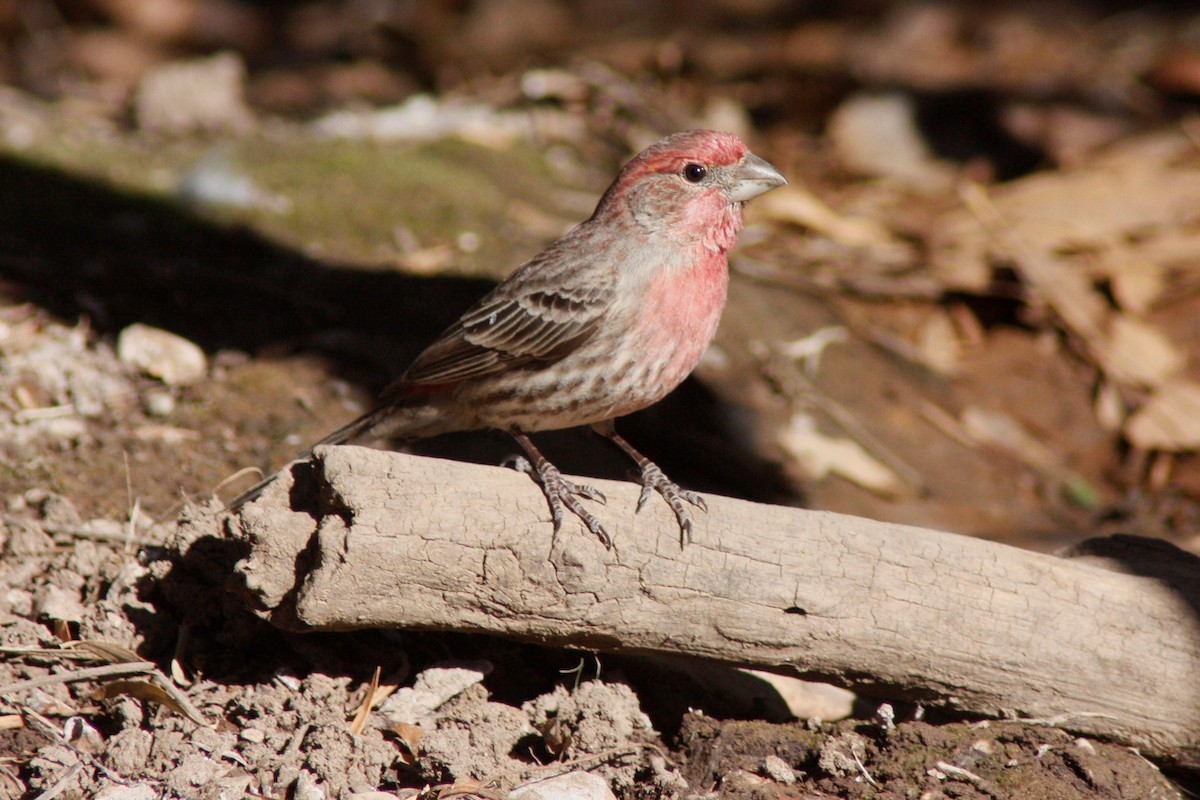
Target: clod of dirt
430, 690
473, 738
842, 755
594, 718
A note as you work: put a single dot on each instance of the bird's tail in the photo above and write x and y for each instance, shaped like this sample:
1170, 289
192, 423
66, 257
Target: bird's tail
368, 422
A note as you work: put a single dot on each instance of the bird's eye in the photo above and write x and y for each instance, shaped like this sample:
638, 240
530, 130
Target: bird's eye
694, 173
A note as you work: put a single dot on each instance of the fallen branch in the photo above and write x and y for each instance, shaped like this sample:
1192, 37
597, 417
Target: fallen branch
365, 538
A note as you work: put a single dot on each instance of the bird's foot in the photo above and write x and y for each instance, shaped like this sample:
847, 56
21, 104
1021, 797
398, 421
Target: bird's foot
561, 493
654, 480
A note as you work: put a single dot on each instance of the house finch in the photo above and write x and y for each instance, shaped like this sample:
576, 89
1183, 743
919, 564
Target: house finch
602, 323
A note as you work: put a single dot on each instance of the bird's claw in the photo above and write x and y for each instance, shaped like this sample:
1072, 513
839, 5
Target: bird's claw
654, 480
561, 493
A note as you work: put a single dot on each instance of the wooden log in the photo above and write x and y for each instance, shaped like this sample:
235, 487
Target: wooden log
367, 538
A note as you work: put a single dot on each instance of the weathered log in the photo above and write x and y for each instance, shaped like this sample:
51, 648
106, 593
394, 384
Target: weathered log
366, 538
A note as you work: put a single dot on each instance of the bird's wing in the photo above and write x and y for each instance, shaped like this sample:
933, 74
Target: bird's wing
519, 323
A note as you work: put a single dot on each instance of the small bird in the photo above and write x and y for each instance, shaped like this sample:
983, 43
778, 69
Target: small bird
605, 321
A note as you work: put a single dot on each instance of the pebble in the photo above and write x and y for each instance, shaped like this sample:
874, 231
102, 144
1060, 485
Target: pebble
253, 735
778, 770
138, 791
159, 403
571, 786
308, 787
162, 354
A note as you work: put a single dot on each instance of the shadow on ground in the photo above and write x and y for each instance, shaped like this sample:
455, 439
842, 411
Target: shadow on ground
79, 248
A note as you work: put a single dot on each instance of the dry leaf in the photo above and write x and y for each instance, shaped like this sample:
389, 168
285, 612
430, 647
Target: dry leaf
999, 430
800, 207
878, 135
409, 737
1109, 407
937, 345
108, 651
1169, 420
142, 690
1138, 353
820, 455
1136, 282
368, 702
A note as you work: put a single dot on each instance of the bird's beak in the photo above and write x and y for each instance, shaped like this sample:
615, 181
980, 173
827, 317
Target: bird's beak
752, 177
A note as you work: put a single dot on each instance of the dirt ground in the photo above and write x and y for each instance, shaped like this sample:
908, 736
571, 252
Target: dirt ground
224, 226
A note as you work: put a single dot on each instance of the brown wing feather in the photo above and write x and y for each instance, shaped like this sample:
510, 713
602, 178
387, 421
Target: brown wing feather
530, 318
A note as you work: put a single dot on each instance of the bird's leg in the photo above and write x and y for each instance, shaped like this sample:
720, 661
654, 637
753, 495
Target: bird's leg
558, 490
653, 480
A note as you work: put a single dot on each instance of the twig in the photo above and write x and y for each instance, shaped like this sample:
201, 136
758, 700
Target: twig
862, 768
113, 671
46, 412
125, 538
980, 783
91, 673
49, 652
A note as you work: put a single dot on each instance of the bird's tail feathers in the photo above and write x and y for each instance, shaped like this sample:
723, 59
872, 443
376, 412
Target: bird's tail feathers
401, 416
346, 433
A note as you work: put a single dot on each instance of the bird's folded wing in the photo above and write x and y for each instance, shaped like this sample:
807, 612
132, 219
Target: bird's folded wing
504, 331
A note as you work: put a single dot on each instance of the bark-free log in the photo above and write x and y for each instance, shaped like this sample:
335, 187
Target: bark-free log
366, 538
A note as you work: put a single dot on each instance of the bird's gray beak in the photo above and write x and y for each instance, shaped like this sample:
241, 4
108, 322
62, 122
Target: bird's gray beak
752, 177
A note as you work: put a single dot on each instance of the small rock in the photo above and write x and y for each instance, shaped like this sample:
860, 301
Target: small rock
199, 94
778, 770
571, 786
308, 787
67, 429
739, 780
471, 736
79, 731
139, 791
170, 358
56, 603
26, 538
159, 403
19, 602
56, 510
886, 716
252, 735
842, 754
